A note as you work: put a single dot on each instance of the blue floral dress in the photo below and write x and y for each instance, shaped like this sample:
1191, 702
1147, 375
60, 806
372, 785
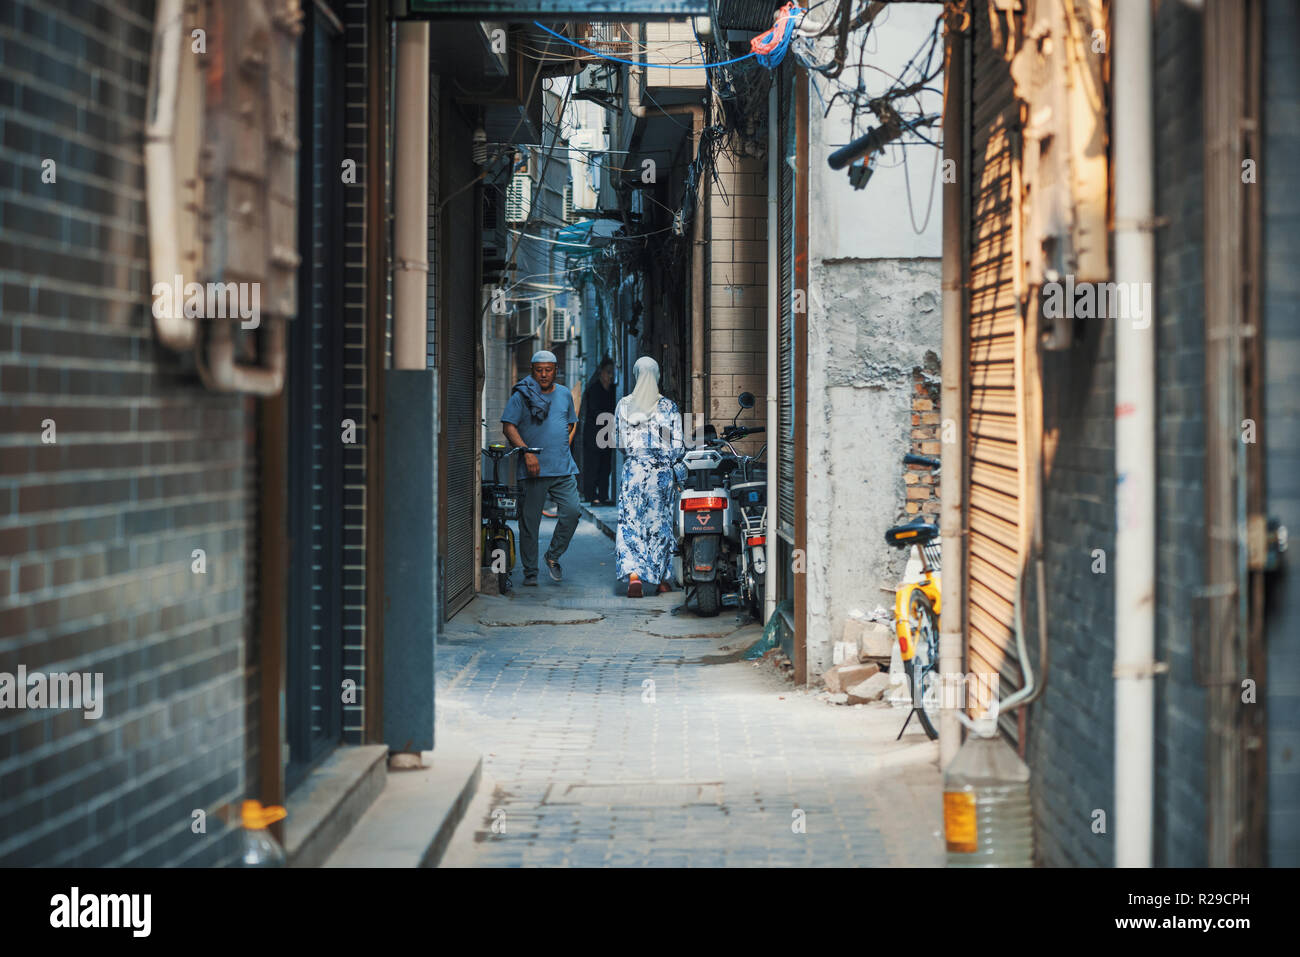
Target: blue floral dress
647, 499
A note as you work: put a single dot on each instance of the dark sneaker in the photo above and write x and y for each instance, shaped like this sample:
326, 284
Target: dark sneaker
557, 573
530, 582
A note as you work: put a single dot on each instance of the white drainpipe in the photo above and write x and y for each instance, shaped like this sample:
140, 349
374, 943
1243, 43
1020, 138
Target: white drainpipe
411, 198
176, 331
1135, 471
771, 581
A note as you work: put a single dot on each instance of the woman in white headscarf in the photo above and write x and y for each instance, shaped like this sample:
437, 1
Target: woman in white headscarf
649, 430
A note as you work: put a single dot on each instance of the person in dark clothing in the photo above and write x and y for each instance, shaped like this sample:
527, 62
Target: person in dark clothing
597, 413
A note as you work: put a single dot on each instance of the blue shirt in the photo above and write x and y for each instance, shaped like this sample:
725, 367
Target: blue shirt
551, 436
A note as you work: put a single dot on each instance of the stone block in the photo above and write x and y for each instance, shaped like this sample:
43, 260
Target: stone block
840, 677
869, 690
874, 639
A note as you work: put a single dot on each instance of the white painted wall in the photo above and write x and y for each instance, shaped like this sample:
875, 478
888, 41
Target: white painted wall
875, 222
871, 322
874, 314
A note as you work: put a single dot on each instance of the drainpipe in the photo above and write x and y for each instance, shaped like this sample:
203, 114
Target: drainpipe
411, 198
1135, 500
219, 370
636, 84
952, 472
771, 584
176, 331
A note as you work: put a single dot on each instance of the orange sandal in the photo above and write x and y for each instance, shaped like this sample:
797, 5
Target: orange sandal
634, 586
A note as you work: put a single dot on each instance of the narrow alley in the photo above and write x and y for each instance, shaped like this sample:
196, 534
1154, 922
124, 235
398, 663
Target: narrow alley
615, 733
567, 434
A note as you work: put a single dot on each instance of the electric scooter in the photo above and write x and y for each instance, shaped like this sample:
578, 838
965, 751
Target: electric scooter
721, 520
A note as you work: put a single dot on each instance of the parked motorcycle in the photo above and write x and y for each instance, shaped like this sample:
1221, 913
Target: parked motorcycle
722, 520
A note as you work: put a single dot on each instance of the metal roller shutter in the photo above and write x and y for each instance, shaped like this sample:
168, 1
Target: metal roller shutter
457, 362
994, 449
785, 285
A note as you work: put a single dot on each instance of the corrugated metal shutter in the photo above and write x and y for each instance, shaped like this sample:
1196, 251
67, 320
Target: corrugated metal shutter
753, 15
785, 281
461, 447
434, 223
993, 450
457, 368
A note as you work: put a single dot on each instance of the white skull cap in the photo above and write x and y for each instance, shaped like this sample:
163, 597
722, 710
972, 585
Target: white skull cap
543, 356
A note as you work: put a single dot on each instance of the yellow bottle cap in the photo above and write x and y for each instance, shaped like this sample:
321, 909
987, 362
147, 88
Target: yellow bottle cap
255, 817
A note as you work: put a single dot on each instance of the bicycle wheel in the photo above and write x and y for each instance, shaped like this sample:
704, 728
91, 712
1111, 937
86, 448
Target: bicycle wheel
923, 667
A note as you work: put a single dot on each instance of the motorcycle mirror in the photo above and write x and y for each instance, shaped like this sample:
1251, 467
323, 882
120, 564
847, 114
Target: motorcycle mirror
746, 400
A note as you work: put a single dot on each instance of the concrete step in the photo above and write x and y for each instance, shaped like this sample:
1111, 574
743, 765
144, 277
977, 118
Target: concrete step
411, 822
604, 517
332, 798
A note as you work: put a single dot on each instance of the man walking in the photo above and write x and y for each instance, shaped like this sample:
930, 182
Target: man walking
539, 415
597, 402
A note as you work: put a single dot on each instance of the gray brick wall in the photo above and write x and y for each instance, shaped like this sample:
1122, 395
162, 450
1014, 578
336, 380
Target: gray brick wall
1071, 730
98, 529
1281, 427
1180, 424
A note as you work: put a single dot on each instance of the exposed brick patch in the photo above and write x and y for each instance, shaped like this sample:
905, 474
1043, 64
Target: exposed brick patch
921, 484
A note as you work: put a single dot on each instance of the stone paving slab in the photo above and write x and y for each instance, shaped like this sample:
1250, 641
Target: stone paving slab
614, 709
522, 615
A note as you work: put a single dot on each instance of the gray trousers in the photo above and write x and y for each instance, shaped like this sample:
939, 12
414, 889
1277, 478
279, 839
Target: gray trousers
563, 489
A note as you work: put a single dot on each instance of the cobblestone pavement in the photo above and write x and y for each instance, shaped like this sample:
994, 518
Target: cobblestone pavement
615, 733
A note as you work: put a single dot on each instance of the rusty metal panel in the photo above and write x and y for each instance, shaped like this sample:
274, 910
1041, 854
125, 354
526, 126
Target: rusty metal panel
251, 147
1059, 73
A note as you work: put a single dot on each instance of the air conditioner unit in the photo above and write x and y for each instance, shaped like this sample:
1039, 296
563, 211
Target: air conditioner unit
522, 320
560, 325
519, 198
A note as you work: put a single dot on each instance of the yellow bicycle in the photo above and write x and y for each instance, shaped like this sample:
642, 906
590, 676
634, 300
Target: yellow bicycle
916, 614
